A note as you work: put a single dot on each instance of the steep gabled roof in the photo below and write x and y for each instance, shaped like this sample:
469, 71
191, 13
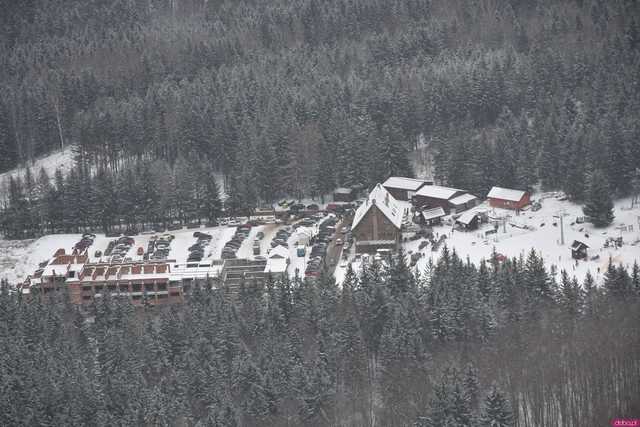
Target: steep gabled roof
506, 194
384, 201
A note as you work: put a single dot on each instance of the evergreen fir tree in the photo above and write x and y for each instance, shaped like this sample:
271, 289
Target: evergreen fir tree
496, 411
598, 204
635, 277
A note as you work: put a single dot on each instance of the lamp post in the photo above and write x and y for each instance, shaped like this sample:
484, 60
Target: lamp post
561, 228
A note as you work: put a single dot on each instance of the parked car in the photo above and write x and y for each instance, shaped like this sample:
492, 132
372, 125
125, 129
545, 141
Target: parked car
140, 251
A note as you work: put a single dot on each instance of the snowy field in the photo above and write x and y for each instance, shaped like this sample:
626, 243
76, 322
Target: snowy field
543, 236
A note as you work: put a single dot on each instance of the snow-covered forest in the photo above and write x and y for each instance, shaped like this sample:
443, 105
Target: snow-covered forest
460, 345
291, 97
179, 112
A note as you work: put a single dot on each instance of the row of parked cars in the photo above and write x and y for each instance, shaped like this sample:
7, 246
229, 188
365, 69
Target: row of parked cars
232, 246
196, 251
118, 248
86, 241
320, 246
281, 237
158, 247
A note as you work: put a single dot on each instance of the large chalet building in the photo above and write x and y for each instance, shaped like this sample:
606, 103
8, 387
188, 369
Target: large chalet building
402, 188
377, 222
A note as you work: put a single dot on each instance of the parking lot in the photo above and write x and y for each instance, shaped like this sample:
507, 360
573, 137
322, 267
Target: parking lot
313, 241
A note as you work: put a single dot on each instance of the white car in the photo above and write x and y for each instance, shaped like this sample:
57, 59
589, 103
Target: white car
339, 242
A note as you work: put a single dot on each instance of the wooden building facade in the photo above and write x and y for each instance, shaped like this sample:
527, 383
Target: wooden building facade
507, 198
377, 222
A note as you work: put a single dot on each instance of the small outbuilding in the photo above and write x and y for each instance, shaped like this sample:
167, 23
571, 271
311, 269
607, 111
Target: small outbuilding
469, 220
277, 262
463, 202
507, 198
432, 216
343, 194
579, 250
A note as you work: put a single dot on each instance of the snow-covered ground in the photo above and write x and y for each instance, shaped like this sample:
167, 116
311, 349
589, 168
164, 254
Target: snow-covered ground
20, 258
544, 239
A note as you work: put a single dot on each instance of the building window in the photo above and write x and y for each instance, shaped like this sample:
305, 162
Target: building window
86, 288
137, 287
162, 286
163, 296
112, 288
137, 297
98, 288
148, 287
86, 297
124, 288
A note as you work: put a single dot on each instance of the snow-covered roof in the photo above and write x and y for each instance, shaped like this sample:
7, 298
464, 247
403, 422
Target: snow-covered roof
343, 190
403, 183
279, 252
384, 201
276, 265
304, 231
577, 245
467, 217
437, 192
54, 270
506, 194
461, 200
202, 271
428, 214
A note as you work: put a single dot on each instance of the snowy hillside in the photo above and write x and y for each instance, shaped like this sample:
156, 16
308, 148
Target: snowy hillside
62, 160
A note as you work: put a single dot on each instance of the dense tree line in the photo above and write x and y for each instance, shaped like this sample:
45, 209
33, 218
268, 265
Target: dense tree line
298, 96
147, 195
495, 344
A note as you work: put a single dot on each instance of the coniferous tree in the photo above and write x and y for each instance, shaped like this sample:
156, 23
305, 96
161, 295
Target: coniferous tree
497, 411
598, 204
